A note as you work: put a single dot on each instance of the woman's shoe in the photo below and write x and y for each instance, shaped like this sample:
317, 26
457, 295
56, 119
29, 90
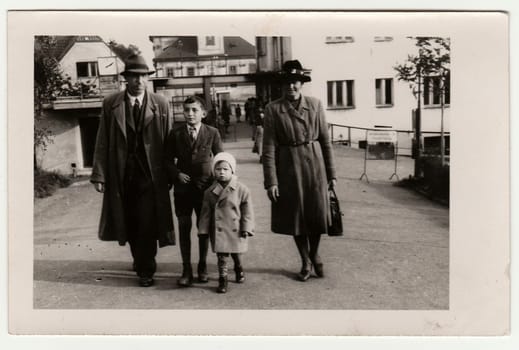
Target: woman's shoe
304, 275
240, 275
222, 285
318, 268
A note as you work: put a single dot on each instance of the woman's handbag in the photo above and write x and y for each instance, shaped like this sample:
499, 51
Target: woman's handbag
335, 224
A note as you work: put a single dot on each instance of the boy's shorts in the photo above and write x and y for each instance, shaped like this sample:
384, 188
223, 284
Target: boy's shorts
187, 201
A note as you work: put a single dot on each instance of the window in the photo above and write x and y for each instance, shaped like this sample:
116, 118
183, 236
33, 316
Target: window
339, 39
340, 94
432, 91
86, 69
209, 41
384, 92
190, 71
232, 70
170, 72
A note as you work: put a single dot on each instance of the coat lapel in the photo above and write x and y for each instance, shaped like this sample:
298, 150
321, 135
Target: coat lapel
223, 193
149, 112
119, 112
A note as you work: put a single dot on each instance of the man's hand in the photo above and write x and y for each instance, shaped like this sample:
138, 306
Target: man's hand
332, 184
273, 193
100, 187
184, 178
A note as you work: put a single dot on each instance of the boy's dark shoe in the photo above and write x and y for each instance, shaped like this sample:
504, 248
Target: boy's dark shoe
186, 279
202, 273
222, 285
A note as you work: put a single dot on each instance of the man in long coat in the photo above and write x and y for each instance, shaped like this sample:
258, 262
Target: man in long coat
129, 170
298, 167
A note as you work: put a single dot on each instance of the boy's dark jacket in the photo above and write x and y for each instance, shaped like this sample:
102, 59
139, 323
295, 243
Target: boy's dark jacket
194, 160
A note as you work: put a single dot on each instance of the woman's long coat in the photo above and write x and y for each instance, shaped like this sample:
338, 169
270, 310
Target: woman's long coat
225, 213
298, 158
110, 157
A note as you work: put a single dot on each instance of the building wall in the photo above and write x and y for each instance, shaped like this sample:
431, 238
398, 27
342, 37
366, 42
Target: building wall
85, 52
363, 61
63, 150
219, 66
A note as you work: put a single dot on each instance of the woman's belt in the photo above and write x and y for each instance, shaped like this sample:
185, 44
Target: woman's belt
297, 144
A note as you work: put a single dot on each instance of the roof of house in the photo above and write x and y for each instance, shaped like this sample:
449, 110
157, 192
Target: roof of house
65, 42
234, 46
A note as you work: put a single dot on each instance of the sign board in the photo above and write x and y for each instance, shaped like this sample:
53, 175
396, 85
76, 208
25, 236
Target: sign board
381, 144
107, 65
375, 136
109, 83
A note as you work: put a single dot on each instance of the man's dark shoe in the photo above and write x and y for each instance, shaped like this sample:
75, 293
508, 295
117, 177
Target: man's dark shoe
203, 277
240, 275
222, 285
146, 281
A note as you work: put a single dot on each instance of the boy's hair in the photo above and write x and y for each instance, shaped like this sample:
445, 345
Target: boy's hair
195, 99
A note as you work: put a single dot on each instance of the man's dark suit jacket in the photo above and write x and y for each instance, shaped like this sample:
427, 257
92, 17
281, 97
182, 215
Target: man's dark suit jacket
194, 160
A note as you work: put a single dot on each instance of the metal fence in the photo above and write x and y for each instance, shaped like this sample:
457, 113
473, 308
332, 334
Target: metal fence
354, 136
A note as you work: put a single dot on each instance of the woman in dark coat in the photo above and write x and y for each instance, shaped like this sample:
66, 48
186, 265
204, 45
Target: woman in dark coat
298, 167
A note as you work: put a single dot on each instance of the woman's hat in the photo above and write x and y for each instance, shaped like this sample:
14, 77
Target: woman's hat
136, 64
293, 70
227, 157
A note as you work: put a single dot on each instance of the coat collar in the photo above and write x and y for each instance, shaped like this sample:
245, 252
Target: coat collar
221, 192
287, 106
119, 109
199, 137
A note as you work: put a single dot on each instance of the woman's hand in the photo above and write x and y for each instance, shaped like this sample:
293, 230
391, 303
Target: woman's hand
184, 178
332, 183
273, 193
100, 187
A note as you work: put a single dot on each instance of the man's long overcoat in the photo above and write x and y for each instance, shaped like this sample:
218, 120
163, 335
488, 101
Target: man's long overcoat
110, 160
298, 158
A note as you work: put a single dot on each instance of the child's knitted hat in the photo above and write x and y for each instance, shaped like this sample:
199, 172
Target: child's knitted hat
229, 158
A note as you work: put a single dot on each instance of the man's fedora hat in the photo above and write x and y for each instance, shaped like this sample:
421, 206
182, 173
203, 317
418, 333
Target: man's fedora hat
136, 64
293, 70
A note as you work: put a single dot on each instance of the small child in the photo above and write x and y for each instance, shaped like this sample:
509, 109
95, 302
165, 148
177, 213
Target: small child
227, 217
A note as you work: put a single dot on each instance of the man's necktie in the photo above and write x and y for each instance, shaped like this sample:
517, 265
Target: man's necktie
136, 113
192, 134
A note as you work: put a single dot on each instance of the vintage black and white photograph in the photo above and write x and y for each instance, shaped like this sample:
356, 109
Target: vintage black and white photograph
243, 168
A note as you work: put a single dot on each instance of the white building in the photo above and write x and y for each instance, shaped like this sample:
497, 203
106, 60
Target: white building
73, 118
213, 66
355, 79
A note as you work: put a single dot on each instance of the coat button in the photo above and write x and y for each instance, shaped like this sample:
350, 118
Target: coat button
219, 229
234, 230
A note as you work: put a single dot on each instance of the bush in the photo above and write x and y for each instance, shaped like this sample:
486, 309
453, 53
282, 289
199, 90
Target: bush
46, 183
435, 181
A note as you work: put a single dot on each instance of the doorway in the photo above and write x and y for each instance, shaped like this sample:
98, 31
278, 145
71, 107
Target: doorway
88, 129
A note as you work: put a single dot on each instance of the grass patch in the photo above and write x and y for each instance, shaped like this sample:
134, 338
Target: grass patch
46, 183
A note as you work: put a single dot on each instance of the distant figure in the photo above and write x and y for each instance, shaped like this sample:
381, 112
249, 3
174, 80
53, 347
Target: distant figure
227, 218
237, 111
259, 116
226, 115
298, 167
129, 170
190, 151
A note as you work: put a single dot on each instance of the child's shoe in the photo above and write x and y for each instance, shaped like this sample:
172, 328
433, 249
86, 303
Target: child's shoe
240, 276
222, 285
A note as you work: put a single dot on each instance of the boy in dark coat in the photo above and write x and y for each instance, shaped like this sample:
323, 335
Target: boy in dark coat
189, 151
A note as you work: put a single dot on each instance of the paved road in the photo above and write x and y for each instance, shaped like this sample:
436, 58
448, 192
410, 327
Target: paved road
394, 253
